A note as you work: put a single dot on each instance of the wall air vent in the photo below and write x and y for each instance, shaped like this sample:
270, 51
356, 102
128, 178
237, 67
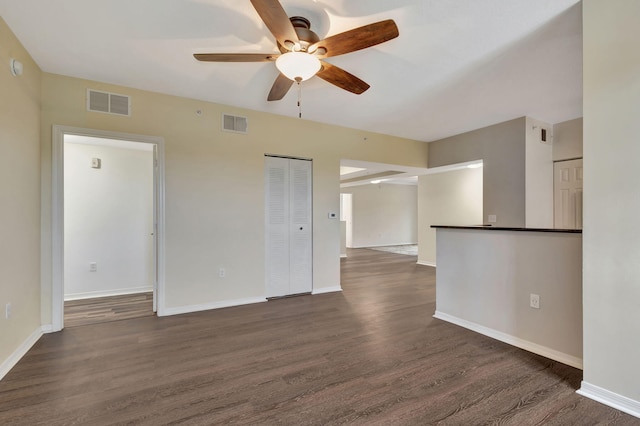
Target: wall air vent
110, 103
234, 123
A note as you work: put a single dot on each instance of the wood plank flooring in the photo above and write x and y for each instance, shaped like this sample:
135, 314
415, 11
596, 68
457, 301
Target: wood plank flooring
107, 309
370, 355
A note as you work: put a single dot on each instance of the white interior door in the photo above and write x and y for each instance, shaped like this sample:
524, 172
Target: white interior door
288, 226
567, 181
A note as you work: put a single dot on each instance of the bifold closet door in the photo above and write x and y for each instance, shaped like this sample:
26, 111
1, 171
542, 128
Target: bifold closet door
288, 226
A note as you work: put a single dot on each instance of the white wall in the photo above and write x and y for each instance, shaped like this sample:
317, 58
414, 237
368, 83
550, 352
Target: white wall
612, 202
108, 220
346, 215
450, 198
384, 214
538, 176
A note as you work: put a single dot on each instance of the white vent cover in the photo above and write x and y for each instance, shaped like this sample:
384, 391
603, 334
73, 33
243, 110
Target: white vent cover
234, 123
110, 103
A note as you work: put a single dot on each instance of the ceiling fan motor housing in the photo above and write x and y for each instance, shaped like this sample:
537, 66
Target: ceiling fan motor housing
302, 26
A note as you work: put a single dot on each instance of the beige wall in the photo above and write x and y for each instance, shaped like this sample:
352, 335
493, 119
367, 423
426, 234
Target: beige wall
502, 149
384, 214
19, 196
567, 140
215, 184
612, 198
450, 198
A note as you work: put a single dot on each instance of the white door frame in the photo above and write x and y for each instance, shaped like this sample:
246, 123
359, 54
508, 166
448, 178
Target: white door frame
57, 214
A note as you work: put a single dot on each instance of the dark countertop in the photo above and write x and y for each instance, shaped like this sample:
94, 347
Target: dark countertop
498, 228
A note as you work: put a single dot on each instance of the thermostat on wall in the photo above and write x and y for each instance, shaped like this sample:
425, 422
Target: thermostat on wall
95, 163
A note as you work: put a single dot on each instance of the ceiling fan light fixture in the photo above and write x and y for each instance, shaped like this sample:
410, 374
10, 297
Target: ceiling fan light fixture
298, 65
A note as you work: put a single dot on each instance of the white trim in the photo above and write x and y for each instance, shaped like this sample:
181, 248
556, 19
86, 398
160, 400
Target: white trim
343, 256
57, 229
47, 328
107, 293
324, 290
612, 399
422, 262
20, 351
208, 306
57, 213
385, 245
512, 340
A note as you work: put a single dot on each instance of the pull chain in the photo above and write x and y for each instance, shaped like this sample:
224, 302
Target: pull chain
298, 80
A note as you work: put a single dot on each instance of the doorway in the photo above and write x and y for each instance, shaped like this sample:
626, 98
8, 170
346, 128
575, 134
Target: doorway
346, 215
288, 223
108, 220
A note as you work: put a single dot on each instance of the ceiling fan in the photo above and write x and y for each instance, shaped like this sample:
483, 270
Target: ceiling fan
302, 51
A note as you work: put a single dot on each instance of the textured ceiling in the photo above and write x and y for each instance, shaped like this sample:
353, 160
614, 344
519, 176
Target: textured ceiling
456, 66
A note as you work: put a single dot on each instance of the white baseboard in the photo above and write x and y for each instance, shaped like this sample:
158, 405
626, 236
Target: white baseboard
209, 306
20, 351
612, 399
47, 328
385, 245
513, 340
342, 256
106, 293
324, 290
422, 262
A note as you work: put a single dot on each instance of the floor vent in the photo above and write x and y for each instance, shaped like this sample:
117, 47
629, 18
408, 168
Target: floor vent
234, 123
110, 103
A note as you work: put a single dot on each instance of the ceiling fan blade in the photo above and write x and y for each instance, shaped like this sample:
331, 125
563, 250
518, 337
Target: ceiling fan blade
276, 19
342, 79
280, 88
356, 39
236, 57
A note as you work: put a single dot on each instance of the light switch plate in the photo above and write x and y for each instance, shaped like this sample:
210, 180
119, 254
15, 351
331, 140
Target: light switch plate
95, 163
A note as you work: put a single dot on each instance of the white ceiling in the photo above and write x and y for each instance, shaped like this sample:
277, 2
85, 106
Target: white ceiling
456, 66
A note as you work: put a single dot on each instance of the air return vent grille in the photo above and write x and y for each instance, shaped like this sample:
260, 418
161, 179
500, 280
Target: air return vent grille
110, 103
234, 123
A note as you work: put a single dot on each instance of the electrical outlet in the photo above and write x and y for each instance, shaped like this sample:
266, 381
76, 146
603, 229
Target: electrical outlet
93, 267
7, 310
222, 272
534, 301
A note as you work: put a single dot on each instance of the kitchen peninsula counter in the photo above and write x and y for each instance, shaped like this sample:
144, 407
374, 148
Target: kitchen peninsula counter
486, 276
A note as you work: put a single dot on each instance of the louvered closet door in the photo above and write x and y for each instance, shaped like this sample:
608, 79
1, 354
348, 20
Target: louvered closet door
300, 226
288, 226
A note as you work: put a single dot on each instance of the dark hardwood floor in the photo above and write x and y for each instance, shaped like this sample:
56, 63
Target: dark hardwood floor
107, 309
371, 355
